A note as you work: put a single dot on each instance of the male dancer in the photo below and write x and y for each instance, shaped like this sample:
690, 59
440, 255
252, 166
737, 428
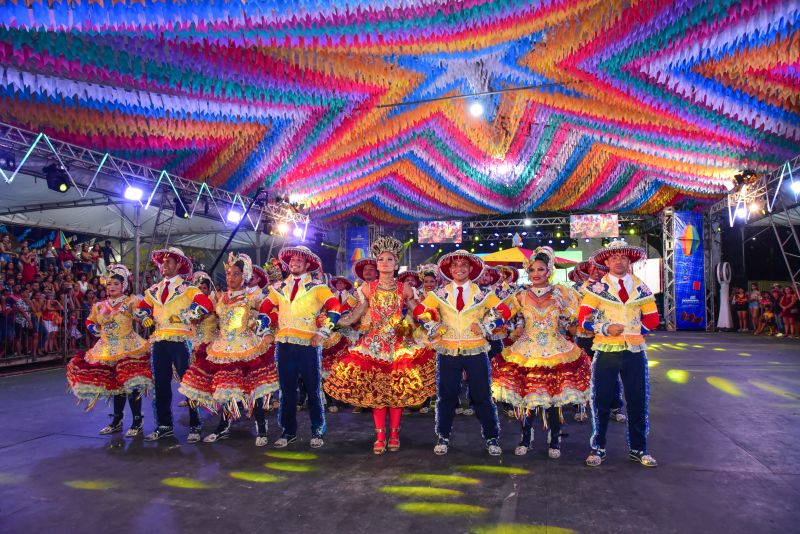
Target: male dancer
171, 305
622, 308
458, 317
293, 309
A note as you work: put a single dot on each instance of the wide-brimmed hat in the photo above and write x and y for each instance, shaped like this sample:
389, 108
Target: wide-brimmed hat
335, 279
198, 277
619, 246
509, 271
273, 270
580, 273
358, 267
494, 273
476, 264
184, 263
304, 252
412, 277
260, 276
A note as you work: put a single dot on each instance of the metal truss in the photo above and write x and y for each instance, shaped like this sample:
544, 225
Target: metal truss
532, 222
668, 241
712, 252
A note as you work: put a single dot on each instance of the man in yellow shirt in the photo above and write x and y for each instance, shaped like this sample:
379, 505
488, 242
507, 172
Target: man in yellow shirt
289, 317
459, 317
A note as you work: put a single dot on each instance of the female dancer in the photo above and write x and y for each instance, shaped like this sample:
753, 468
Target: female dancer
237, 368
386, 370
118, 365
542, 369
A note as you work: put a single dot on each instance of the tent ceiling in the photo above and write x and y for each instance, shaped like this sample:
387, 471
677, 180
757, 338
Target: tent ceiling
639, 105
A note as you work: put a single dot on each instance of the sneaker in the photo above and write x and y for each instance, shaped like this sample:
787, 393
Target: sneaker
261, 441
284, 440
316, 442
618, 416
194, 435
459, 411
134, 430
222, 432
441, 447
553, 453
643, 458
580, 416
333, 408
468, 411
521, 450
113, 428
596, 457
358, 409
425, 409
183, 404
493, 447
159, 432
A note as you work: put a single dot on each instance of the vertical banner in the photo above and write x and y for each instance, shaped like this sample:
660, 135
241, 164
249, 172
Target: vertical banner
690, 291
357, 241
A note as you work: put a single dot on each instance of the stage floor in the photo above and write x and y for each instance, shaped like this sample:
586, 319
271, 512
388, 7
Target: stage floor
725, 423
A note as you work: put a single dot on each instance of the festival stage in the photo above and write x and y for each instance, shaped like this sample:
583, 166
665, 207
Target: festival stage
725, 418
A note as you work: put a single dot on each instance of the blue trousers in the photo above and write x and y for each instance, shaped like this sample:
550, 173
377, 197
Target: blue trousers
449, 370
586, 344
632, 367
295, 361
165, 355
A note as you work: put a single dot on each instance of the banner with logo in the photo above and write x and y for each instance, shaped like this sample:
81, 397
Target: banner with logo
690, 290
357, 245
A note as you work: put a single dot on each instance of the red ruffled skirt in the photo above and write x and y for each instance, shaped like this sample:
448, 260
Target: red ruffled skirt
216, 386
332, 354
361, 380
531, 387
92, 381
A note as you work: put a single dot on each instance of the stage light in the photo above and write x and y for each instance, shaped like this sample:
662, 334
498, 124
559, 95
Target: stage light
297, 232
422, 246
587, 240
795, 187
538, 232
549, 241
480, 244
729, 185
180, 209
283, 228
133, 193
476, 238
524, 233
235, 216
432, 246
496, 234
56, 177
491, 244
558, 234
573, 245
472, 249
476, 109
458, 245
527, 222
632, 231
562, 241
741, 212
754, 207
8, 161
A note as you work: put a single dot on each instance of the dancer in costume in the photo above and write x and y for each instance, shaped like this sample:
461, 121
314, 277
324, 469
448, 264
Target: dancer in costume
118, 365
171, 305
337, 345
386, 370
236, 368
583, 274
429, 276
619, 309
458, 317
411, 278
543, 369
292, 309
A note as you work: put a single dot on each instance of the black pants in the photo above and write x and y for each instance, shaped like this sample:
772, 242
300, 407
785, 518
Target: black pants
586, 344
553, 428
449, 370
258, 414
296, 361
135, 401
632, 367
167, 354
496, 347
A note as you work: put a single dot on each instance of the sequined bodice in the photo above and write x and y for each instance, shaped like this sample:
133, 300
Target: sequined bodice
118, 339
388, 331
544, 326
234, 314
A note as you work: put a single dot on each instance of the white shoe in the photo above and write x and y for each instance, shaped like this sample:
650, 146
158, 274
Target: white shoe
580, 417
261, 441
134, 431
441, 447
316, 442
619, 417
333, 409
493, 447
194, 436
521, 450
469, 411
554, 453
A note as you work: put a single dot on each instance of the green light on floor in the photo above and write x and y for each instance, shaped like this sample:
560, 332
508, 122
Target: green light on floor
290, 467
744, 354
492, 469
254, 476
516, 528
441, 508
725, 385
774, 389
421, 492
682, 344
7, 479
679, 376
719, 349
290, 455
441, 480
653, 363
95, 485
185, 483
697, 346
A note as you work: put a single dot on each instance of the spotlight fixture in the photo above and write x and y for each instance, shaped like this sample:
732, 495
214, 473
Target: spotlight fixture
234, 216
180, 209
741, 212
476, 109
795, 187
133, 193
8, 161
283, 228
56, 176
297, 232
527, 222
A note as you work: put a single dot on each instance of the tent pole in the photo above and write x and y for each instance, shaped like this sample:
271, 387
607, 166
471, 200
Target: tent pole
137, 241
236, 229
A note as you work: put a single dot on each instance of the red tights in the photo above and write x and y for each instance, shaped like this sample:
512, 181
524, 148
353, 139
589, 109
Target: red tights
379, 416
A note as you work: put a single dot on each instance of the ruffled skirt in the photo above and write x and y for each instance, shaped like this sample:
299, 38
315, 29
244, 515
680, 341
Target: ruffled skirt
221, 386
361, 380
92, 381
